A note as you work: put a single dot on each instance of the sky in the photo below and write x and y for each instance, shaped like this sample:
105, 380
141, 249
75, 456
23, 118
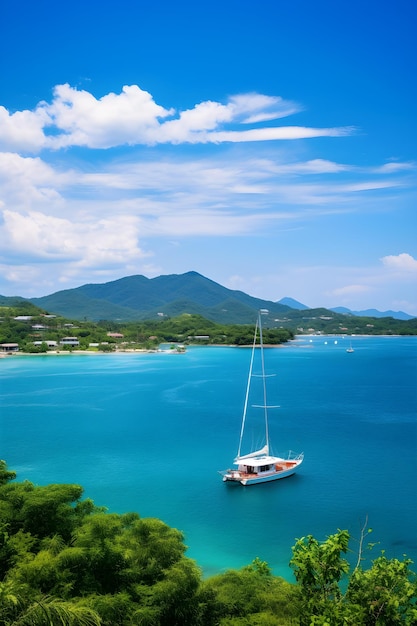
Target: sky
269, 146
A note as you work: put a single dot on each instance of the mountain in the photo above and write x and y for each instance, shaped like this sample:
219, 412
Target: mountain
294, 304
11, 300
398, 315
139, 298
136, 298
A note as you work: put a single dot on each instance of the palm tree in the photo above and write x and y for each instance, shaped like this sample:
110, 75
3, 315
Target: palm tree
17, 610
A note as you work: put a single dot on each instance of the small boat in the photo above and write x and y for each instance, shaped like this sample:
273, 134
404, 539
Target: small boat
260, 466
350, 349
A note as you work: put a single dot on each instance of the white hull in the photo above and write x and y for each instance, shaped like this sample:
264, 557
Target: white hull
282, 469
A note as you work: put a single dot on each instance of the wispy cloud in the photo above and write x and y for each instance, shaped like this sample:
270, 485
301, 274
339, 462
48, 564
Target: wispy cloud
132, 117
350, 290
72, 216
395, 166
253, 108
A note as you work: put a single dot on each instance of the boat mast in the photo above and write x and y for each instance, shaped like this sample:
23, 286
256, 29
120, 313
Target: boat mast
265, 406
245, 408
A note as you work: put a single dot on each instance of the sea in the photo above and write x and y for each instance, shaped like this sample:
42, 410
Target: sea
149, 432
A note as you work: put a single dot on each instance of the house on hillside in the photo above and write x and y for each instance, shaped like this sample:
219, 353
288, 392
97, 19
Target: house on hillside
49, 343
9, 347
69, 341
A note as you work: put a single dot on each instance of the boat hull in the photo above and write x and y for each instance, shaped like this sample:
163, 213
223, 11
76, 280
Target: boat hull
246, 479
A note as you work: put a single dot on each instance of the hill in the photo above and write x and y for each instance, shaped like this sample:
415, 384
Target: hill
139, 298
398, 315
136, 299
294, 304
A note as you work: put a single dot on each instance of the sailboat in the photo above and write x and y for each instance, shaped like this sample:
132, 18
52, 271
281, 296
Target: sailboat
350, 349
261, 465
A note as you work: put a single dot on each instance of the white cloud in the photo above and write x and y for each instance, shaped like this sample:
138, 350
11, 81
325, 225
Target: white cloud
276, 133
77, 118
314, 166
402, 262
256, 108
24, 276
395, 166
92, 242
223, 196
193, 126
131, 117
75, 216
30, 182
350, 290
23, 130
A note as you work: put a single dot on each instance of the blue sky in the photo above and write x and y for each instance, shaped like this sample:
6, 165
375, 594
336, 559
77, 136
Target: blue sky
270, 146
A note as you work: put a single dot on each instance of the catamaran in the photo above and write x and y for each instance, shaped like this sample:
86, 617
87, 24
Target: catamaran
261, 465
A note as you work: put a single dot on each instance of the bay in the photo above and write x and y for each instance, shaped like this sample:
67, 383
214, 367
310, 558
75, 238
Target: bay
148, 432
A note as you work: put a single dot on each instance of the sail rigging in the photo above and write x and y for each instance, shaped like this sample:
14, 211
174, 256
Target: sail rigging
259, 465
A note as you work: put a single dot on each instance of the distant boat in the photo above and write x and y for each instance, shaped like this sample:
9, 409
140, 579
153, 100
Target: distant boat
350, 349
260, 466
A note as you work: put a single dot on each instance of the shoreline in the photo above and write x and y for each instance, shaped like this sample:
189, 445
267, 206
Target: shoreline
297, 338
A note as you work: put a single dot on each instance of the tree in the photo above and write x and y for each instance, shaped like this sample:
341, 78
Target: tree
18, 608
318, 568
248, 597
5, 474
383, 595
65, 561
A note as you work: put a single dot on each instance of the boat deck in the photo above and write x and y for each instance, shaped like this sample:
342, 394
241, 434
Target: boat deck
281, 467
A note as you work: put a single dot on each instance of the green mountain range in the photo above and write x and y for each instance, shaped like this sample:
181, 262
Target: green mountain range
137, 298
140, 298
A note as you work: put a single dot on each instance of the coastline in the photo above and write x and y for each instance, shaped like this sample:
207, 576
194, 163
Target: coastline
69, 353
297, 339
88, 352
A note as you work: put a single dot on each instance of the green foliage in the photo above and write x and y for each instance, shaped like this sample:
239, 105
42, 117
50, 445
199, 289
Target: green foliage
17, 609
249, 596
65, 561
5, 474
40, 511
143, 335
383, 595
318, 568
189, 327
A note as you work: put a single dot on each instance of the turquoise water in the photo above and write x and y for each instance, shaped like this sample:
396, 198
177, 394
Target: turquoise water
149, 432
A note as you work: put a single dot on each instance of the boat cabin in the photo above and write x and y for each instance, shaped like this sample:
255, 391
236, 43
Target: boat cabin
258, 466
250, 469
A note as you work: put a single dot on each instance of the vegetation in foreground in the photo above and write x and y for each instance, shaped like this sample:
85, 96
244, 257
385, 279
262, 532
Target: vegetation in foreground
65, 561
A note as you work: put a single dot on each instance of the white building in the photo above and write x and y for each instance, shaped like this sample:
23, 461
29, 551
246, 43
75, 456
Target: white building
69, 341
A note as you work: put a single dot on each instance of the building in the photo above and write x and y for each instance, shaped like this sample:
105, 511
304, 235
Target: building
69, 341
9, 347
49, 343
